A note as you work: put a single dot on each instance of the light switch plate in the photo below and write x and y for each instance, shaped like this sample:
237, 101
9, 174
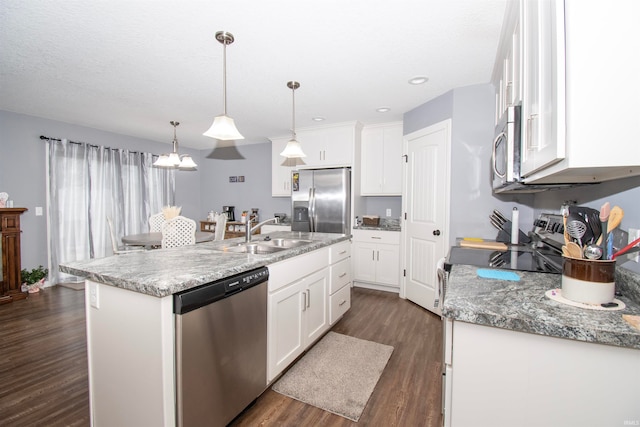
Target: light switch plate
388, 212
94, 295
38, 210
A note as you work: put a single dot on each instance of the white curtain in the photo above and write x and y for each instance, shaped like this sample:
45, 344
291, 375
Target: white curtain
86, 184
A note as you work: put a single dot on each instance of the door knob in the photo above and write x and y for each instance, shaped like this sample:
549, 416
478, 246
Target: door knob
436, 232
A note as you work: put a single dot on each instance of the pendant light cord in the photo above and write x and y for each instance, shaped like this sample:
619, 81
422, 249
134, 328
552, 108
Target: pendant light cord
293, 113
224, 77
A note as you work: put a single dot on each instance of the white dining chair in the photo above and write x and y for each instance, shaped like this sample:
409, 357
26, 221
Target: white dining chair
120, 249
155, 222
178, 231
221, 226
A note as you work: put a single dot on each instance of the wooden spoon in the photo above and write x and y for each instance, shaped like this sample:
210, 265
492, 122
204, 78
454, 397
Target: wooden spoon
575, 251
615, 218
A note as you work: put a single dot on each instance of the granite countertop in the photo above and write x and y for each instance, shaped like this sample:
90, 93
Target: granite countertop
163, 272
386, 224
522, 306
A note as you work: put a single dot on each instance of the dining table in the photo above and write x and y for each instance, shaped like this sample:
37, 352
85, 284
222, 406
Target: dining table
155, 238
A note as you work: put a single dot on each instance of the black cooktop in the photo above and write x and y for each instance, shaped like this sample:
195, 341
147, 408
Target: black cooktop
521, 258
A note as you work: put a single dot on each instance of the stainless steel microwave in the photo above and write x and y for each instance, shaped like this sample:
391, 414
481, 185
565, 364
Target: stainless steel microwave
505, 156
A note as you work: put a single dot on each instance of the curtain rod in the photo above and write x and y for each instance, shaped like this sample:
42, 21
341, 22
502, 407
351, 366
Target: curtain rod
48, 138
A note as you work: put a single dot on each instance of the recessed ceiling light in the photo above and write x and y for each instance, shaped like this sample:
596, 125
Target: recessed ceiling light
418, 80
317, 119
383, 109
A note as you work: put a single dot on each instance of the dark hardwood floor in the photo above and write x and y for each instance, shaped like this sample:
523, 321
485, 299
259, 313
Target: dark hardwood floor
43, 360
43, 365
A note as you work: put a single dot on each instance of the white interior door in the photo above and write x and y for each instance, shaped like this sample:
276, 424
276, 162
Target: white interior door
426, 206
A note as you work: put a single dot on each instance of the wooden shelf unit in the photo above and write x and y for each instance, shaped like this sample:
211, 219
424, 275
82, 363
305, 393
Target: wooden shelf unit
209, 226
10, 246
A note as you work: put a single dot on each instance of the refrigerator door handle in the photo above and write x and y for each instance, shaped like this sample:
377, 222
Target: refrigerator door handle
312, 209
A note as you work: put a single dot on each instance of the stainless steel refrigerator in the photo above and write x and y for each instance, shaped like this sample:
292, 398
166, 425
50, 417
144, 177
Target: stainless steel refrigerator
321, 200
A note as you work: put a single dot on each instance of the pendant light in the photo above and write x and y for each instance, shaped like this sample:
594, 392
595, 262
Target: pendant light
293, 149
223, 126
173, 160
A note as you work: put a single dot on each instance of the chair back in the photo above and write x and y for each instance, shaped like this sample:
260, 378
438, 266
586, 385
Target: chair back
221, 226
114, 241
178, 231
155, 222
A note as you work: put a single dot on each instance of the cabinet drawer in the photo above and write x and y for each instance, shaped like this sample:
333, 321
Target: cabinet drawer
340, 251
340, 303
377, 236
340, 275
293, 269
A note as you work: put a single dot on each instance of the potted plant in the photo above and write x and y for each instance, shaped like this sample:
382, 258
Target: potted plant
33, 280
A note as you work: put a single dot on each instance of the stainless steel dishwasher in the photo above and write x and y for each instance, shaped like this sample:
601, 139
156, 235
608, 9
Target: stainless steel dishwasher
221, 348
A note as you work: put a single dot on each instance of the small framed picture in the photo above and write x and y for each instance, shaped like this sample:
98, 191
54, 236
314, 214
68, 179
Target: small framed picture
233, 178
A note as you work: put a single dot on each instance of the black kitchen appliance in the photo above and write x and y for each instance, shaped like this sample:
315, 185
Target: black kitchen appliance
543, 254
230, 212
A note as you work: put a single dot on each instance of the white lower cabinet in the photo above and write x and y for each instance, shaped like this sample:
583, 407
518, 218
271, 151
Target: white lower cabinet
376, 257
307, 294
340, 285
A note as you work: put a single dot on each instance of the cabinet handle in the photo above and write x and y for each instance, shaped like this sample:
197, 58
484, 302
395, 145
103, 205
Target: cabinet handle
376, 237
341, 253
509, 101
342, 303
378, 252
373, 255
342, 275
304, 304
530, 143
308, 298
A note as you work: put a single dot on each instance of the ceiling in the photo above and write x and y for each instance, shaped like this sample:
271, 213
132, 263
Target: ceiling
132, 66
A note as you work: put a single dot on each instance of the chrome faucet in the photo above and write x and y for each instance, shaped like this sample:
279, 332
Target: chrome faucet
254, 228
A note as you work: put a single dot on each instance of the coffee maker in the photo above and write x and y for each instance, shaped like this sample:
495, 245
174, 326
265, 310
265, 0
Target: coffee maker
230, 212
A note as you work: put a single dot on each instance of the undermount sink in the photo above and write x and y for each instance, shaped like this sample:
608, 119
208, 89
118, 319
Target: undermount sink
252, 248
285, 243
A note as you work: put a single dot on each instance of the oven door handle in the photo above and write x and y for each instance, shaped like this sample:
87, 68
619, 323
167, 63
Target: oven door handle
496, 142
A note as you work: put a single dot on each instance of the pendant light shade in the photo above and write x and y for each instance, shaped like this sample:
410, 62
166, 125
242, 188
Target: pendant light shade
223, 126
293, 150
173, 160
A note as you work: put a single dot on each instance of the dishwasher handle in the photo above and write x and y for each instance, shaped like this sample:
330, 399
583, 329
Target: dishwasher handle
209, 293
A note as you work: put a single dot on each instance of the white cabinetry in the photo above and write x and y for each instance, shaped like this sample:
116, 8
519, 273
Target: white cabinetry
376, 259
577, 114
506, 74
329, 146
340, 284
281, 168
381, 155
505, 378
543, 84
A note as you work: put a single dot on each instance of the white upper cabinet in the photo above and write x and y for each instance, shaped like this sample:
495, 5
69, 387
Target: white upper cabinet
543, 84
381, 155
328, 146
507, 71
280, 168
579, 89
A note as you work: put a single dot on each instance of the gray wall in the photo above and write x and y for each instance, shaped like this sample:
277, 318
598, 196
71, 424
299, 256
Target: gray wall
472, 201
22, 175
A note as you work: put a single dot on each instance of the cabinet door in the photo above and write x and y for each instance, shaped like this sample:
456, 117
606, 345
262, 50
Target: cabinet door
381, 155
285, 339
392, 155
364, 261
388, 265
331, 146
280, 169
316, 311
543, 142
372, 155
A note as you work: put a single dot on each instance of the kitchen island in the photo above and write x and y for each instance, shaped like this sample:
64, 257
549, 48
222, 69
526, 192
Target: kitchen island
515, 357
131, 326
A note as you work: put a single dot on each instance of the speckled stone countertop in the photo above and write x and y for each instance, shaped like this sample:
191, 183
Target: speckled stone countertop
386, 224
163, 272
522, 306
